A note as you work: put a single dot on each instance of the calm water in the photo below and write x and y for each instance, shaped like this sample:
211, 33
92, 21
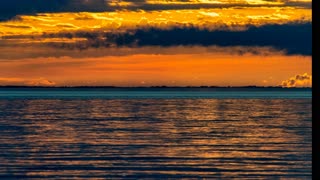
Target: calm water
160, 137
146, 93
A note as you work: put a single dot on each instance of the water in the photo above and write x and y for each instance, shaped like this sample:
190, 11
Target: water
145, 93
118, 137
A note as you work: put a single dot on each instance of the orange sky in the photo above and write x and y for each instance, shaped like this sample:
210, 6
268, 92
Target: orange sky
220, 69
35, 50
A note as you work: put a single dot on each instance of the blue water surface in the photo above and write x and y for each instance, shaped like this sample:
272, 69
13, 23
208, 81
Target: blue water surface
143, 93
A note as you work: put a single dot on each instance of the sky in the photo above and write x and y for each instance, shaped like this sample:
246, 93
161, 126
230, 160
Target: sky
156, 43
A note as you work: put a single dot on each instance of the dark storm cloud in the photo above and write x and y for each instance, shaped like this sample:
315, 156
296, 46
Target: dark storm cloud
292, 38
229, 5
11, 8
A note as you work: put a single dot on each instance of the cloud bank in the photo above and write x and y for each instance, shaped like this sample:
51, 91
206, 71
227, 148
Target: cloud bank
300, 80
11, 8
284, 29
287, 39
290, 38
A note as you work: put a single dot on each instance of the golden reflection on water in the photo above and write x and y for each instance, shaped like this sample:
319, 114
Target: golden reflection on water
195, 138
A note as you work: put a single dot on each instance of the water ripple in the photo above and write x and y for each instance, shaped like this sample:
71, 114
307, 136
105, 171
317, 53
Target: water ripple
155, 138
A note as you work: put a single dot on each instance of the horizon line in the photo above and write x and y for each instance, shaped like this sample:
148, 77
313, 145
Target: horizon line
249, 86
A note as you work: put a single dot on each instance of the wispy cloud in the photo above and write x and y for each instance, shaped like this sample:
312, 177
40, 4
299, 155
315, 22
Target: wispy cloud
209, 19
10, 8
9, 52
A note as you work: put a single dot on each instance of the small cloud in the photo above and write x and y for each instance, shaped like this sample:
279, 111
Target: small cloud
40, 82
300, 80
29, 82
211, 14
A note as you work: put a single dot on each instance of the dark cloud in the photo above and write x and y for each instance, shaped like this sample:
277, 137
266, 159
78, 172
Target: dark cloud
227, 5
292, 38
41, 51
11, 8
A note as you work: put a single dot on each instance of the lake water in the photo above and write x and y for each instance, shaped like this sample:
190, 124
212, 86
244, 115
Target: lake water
110, 134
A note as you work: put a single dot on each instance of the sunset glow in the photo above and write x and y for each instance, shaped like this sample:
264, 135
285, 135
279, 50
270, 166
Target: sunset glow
155, 70
156, 89
211, 19
169, 45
